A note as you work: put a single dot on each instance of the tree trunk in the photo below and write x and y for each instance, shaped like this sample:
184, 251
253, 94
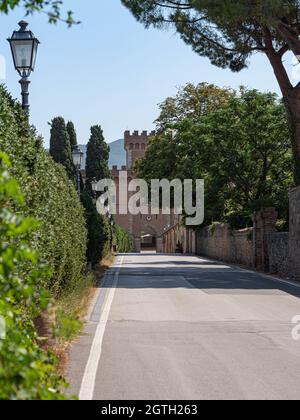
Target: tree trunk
292, 103
291, 99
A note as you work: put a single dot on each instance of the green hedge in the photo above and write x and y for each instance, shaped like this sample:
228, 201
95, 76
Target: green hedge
50, 198
26, 371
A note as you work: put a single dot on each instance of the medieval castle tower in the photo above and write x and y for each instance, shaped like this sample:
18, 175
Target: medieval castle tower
147, 230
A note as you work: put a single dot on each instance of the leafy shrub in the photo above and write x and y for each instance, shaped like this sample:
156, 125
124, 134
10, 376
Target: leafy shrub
71, 308
50, 198
67, 327
122, 240
26, 371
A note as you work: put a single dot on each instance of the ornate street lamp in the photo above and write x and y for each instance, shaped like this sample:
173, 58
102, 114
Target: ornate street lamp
24, 48
77, 156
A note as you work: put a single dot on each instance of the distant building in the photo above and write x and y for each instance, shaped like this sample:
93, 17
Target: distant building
147, 230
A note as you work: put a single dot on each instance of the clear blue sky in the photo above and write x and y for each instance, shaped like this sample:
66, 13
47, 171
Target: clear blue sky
111, 71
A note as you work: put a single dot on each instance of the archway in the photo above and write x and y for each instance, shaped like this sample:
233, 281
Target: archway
148, 239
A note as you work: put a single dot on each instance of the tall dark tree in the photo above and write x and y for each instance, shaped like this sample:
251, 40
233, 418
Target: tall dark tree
72, 134
99, 232
229, 32
60, 147
97, 156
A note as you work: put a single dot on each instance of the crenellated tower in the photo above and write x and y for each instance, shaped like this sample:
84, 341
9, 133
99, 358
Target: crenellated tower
146, 229
136, 145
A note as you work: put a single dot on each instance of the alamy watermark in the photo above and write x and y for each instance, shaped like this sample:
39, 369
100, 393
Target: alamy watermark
161, 197
296, 329
2, 328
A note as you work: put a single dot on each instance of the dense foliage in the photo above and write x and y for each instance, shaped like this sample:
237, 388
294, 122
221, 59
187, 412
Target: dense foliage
97, 156
99, 231
60, 145
241, 149
26, 371
102, 234
50, 198
122, 240
72, 134
191, 101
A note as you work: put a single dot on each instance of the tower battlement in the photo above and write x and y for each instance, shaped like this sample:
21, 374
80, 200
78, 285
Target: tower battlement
136, 144
137, 137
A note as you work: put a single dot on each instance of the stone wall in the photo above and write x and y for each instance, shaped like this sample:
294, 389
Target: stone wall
220, 242
278, 251
260, 247
264, 224
284, 248
294, 238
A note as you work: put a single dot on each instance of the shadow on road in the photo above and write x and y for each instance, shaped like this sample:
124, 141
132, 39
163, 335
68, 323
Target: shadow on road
195, 273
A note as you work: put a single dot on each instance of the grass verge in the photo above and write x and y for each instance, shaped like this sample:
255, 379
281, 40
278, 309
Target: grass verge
71, 310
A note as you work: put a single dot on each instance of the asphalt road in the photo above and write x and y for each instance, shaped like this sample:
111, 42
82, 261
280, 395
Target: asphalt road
179, 328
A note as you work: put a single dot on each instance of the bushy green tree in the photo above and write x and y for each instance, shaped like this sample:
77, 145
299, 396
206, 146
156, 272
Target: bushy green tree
241, 150
72, 134
60, 146
191, 101
50, 198
26, 371
230, 32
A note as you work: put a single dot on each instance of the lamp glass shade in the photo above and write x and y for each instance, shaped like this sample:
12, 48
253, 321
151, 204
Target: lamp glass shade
24, 48
77, 155
22, 54
94, 185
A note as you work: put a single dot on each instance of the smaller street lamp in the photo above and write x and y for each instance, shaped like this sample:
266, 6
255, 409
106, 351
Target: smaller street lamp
24, 46
94, 184
77, 156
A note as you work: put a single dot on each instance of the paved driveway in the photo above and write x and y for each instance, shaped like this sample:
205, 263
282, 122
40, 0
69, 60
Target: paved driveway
180, 327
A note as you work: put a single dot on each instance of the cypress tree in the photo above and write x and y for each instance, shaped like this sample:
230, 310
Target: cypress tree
60, 147
97, 156
72, 134
99, 232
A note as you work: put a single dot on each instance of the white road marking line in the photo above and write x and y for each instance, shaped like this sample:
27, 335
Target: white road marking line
92, 306
263, 275
89, 378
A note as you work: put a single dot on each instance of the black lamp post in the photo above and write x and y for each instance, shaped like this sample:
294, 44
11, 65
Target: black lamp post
94, 184
24, 48
77, 155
